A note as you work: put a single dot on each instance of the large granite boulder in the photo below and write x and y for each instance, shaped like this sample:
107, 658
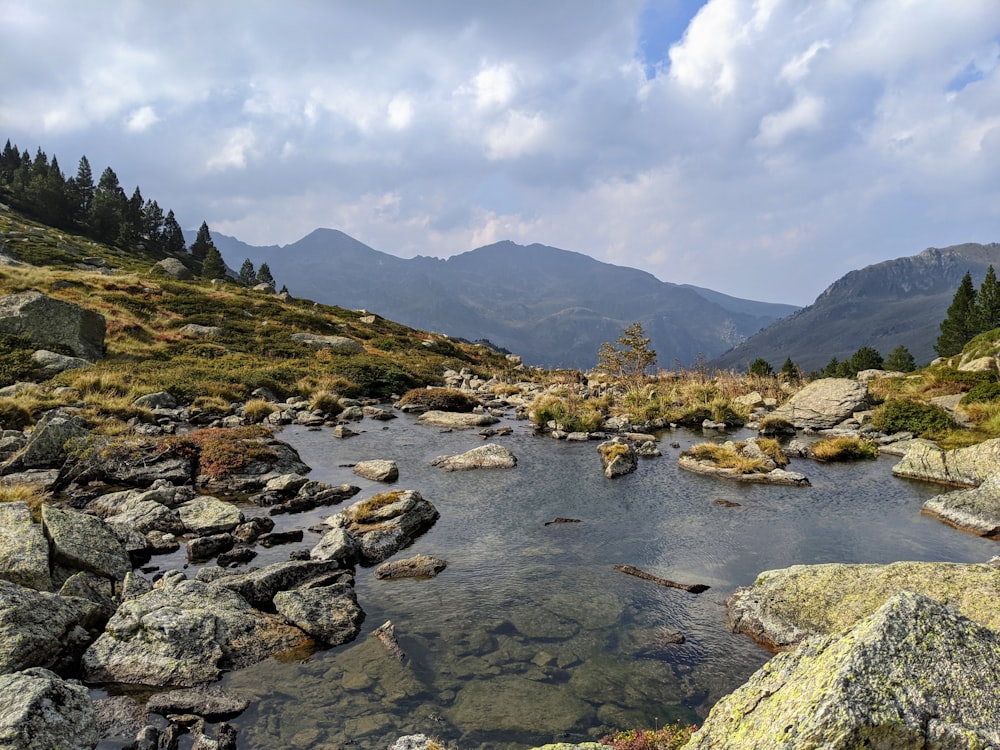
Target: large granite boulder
184, 633
489, 456
386, 523
824, 403
966, 467
46, 447
84, 542
976, 510
206, 515
785, 606
39, 711
618, 457
260, 586
330, 614
53, 324
36, 627
913, 674
24, 552
173, 268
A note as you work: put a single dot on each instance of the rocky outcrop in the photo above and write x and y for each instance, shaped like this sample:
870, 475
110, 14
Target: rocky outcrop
966, 467
377, 470
976, 510
330, 614
457, 420
418, 566
489, 456
334, 343
914, 673
84, 542
24, 552
386, 523
618, 457
46, 447
824, 403
51, 364
53, 324
39, 711
182, 634
785, 606
259, 587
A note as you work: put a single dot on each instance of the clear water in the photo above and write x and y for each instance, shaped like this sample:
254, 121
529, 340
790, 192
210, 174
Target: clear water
530, 635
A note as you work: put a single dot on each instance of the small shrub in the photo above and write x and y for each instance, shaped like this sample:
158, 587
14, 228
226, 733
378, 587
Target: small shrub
911, 416
257, 410
986, 391
772, 425
223, 451
772, 449
726, 456
440, 399
670, 737
571, 412
844, 449
327, 402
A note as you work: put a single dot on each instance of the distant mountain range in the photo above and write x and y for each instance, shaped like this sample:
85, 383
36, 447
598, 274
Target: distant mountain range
901, 301
553, 307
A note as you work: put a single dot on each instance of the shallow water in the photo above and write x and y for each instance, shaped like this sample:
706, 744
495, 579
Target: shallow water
530, 635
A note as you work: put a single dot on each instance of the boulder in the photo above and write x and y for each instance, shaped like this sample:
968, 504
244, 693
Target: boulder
46, 447
457, 420
51, 364
84, 542
914, 673
337, 544
208, 515
24, 551
334, 343
386, 523
618, 457
53, 324
40, 711
330, 614
976, 510
212, 702
489, 456
173, 268
377, 470
785, 606
260, 586
966, 467
313, 495
158, 400
200, 332
145, 516
182, 634
35, 626
419, 566
142, 464
824, 403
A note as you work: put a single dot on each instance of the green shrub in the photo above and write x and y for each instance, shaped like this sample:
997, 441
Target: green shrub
911, 416
13, 416
572, 413
440, 399
373, 376
985, 391
15, 360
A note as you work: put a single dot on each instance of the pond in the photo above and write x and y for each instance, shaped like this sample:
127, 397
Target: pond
531, 635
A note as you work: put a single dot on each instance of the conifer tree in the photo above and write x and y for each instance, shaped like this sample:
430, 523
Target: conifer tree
213, 266
202, 243
900, 360
173, 236
264, 275
987, 313
760, 367
248, 276
81, 192
107, 208
959, 325
790, 371
629, 361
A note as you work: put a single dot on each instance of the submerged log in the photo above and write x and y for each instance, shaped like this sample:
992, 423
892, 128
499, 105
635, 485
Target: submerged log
693, 588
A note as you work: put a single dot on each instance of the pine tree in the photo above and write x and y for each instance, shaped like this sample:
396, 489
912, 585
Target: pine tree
202, 243
108, 208
173, 236
987, 313
790, 371
264, 275
248, 276
760, 367
900, 360
628, 362
959, 324
213, 267
81, 192
865, 358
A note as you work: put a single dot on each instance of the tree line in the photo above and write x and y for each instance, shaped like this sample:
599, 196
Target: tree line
971, 313
37, 187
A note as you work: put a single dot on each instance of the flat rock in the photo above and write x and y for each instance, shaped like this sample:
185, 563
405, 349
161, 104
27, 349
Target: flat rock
418, 566
52, 363
456, 420
967, 467
913, 673
211, 702
260, 586
84, 542
976, 510
787, 605
24, 551
377, 470
335, 343
208, 515
40, 711
824, 403
781, 477
330, 614
488, 456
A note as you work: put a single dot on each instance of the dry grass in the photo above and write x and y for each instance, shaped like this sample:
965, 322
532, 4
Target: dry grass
726, 456
844, 449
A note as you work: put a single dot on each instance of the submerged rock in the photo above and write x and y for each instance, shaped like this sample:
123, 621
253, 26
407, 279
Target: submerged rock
487, 456
787, 605
419, 566
914, 673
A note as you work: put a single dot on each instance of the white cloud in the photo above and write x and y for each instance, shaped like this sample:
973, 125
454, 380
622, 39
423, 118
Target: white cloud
141, 119
805, 113
400, 112
494, 87
232, 153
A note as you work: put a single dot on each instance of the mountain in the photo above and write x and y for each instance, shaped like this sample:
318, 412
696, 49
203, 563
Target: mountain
901, 301
553, 307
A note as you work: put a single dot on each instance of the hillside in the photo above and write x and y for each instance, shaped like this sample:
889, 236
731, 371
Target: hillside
553, 307
901, 301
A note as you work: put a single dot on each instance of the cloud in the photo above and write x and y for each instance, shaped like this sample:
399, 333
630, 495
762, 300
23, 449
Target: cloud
141, 119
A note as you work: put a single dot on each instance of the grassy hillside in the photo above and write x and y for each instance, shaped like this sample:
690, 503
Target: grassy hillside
148, 352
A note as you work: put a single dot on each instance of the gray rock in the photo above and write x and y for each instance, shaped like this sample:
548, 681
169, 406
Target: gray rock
204, 548
46, 447
386, 523
457, 420
51, 364
208, 515
182, 634
84, 542
785, 606
618, 458
489, 456
24, 552
158, 400
335, 343
967, 467
315, 494
352, 414
329, 614
260, 586
377, 470
34, 626
418, 566
39, 711
976, 510
201, 332
824, 403
415, 742
53, 324
173, 268
343, 431
144, 516
212, 702
286, 484
915, 673
337, 544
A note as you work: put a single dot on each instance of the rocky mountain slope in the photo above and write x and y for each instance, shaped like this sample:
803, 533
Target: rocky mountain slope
901, 301
553, 307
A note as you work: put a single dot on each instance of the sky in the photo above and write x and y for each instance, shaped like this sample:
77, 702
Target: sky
761, 148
